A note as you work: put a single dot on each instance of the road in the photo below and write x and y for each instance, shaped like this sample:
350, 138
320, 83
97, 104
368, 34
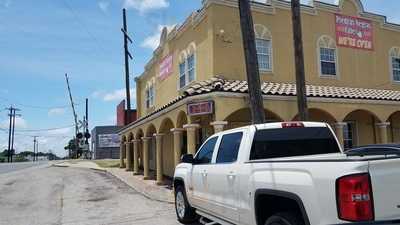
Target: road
47, 195
10, 167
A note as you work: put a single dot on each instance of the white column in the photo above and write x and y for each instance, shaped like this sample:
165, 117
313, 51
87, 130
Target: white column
177, 144
191, 137
383, 132
219, 126
339, 130
159, 159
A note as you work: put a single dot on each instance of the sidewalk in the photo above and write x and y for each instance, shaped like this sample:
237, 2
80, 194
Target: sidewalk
146, 187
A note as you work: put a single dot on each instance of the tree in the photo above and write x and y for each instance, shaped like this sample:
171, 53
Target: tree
252, 71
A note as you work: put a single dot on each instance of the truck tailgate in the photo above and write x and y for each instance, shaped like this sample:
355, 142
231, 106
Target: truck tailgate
385, 179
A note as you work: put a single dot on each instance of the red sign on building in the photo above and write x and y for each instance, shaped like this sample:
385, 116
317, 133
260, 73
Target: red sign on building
165, 67
200, 108
354, 32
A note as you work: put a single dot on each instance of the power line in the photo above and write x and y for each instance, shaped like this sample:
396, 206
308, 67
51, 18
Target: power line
81, 22
35, 106
46, 129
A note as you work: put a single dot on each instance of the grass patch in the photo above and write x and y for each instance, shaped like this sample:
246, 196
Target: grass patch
107, 163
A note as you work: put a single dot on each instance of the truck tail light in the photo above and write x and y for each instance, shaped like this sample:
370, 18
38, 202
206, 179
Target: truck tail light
354, 198
292, 124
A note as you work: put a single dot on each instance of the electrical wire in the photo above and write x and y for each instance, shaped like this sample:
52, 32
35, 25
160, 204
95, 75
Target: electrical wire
47, 129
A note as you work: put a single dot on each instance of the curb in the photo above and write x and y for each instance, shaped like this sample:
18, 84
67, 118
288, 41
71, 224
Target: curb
144, 193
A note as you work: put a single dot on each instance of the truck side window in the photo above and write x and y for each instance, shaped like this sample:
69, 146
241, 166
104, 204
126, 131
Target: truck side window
229, 147
205, 153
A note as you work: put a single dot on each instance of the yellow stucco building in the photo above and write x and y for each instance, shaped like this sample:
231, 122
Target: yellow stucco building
195, 83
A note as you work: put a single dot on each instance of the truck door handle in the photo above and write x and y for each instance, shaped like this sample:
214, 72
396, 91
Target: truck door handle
204, 173
231, 175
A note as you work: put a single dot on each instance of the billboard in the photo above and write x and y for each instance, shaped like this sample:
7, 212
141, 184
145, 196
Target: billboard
354, 32
108, 140
165, 67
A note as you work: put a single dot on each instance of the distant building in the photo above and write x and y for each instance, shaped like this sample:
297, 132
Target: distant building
105, 142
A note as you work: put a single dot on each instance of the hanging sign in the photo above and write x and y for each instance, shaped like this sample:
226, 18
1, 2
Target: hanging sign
354, 32
165, 67
200, 108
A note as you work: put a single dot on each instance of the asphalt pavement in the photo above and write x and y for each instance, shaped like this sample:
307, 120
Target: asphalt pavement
11, 167
46, 195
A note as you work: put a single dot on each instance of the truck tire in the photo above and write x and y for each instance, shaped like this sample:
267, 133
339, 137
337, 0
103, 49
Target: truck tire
185, 213
284, 218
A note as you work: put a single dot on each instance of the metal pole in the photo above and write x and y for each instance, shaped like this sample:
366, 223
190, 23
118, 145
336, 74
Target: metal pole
34, 148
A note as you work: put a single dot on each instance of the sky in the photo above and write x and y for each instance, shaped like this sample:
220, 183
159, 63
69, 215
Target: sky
42, 40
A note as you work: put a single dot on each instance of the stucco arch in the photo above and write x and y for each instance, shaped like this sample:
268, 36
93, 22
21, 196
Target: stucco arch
356, 3
181, 119
150, 130
130, 136
262, 32
139, 134
319, 115
365, 111
123, 138
242, 117
166, 125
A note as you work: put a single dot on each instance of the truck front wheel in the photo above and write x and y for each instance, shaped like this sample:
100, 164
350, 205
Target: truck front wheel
185, 213
284, 218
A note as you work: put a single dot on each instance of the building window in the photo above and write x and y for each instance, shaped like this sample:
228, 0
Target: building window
187, 66
349, 134
182, 74
150, 92
395, 63
191, 68
327, 56
263, 47
264, 54
328, 61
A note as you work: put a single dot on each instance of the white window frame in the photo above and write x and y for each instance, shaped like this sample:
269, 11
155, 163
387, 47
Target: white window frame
184, 58
321, 61
329, 43
150, 94
394, 53
269, 54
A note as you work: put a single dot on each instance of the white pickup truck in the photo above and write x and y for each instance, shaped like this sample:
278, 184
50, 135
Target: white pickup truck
290, 173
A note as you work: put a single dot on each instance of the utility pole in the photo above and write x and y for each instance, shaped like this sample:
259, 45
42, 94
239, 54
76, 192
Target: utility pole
299, 61
37, 150
34, 148
74, 114
9, 134
13, 131
253, 76
127, 55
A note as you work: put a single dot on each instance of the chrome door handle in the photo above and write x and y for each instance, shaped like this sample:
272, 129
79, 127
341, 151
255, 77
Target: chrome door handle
231, 175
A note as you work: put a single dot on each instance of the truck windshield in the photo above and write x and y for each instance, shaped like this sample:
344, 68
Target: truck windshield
287, 142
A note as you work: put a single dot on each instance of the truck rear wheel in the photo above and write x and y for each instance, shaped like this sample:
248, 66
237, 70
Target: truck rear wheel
284, 218
185, 213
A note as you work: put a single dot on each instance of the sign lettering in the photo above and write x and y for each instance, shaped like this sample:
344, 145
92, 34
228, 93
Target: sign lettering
353, 32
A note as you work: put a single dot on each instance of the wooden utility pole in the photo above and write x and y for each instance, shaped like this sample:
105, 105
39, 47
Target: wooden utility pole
127, 56
253, 76
299, 61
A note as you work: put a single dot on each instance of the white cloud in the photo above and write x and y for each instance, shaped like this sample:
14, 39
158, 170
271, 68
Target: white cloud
116, 95
20, 123
56, 111
153, 40
103, 5
146, 5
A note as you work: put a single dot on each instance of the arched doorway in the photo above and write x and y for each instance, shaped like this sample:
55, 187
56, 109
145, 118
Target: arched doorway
150, 131
319, 115
242, 117
180, 121
167, 147
138, 137
394, 127
360, 128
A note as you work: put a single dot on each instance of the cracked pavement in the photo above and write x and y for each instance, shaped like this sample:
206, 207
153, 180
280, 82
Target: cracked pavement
73, 196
